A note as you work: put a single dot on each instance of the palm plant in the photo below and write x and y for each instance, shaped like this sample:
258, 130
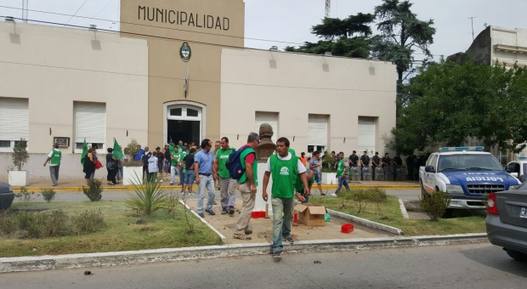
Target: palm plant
148, 197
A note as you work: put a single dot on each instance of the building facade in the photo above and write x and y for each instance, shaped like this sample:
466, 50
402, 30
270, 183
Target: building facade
178, 70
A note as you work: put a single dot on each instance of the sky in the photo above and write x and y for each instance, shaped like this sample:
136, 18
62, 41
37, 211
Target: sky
289, 22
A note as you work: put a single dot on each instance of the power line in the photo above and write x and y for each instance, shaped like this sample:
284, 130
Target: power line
77, 11
152, 26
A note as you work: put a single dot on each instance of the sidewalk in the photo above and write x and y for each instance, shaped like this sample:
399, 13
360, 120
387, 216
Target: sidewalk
75, 185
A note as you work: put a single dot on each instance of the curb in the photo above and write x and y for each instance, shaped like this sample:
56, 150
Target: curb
366, 223
110, 259
204, 221
404, 212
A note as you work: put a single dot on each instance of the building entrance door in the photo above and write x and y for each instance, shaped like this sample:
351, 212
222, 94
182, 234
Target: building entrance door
183, 124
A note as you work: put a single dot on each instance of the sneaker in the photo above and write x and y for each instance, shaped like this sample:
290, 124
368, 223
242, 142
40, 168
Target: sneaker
201, 215
248, 231
224, 211
333, 195
277, 257
231, 212
211, 212
289, 239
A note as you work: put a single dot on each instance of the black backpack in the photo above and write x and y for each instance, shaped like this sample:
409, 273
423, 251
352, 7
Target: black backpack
234, 164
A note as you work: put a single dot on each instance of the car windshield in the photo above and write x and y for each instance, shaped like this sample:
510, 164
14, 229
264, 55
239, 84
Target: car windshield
468, 162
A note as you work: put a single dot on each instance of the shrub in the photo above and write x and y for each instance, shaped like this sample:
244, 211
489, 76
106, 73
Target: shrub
435, 204
8, 224
88, 221
20, 154
48, 195
25, 194
94, 190
149, 197
43, 224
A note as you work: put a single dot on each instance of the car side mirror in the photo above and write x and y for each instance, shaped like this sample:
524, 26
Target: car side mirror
430, 169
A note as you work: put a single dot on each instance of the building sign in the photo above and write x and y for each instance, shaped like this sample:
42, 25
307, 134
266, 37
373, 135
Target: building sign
185, 52
62, 142
183, 18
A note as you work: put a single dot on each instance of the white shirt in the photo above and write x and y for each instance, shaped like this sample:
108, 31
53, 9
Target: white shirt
300, 167
152, 164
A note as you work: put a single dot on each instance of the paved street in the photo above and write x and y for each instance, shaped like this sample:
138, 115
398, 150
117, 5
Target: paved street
480, 266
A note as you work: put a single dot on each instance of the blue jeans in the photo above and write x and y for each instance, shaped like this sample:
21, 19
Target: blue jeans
282, 219
343, 181
206, 183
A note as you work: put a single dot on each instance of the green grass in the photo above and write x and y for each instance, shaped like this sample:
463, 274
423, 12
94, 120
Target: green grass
121, 232
390, 214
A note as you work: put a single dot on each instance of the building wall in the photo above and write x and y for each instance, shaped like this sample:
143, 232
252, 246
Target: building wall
300, 85
167, 70
509, 46
54, 67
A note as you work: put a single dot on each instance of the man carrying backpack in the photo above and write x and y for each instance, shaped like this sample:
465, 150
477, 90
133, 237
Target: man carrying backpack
285, 169
245, 159
223, 177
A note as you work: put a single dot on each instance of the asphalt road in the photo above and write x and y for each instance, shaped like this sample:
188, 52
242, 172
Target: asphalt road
478, 266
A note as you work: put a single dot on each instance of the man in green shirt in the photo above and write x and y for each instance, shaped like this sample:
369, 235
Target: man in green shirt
284, 167
223, 177
341, 175
54, 158
247, 188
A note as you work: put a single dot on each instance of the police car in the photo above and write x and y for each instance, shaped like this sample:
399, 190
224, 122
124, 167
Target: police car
467, 174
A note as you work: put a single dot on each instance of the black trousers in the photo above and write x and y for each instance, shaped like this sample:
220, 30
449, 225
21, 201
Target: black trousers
111, 176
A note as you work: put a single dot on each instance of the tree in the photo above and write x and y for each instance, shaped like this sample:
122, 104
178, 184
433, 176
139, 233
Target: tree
452, 103
348, 37
400, 34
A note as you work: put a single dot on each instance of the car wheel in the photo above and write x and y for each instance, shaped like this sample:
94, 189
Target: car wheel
517, 256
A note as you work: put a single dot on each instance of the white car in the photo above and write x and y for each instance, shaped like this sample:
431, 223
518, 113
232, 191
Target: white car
518, 168
467, 174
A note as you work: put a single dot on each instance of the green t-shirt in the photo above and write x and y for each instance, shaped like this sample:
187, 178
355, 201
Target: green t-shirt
244, 155
222, 156
56, 155
340, 168
285, 176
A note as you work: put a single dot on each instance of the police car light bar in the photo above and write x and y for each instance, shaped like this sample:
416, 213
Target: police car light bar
462, 149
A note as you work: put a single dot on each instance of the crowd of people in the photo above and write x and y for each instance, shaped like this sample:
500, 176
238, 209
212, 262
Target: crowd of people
219, 166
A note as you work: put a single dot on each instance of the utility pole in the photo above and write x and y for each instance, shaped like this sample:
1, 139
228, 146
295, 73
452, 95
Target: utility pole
327, 11
25, 8
472, 24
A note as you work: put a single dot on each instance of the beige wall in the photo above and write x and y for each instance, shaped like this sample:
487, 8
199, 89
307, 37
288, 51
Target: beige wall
166, 69
509, 46
300, 85
54, 67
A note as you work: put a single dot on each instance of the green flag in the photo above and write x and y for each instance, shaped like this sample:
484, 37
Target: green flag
117, 150
84, 151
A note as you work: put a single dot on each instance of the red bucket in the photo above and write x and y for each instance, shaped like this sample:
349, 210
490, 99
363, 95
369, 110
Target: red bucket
346, 228
258, 214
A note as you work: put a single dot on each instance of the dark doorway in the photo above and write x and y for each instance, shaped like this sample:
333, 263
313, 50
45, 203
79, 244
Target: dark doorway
184, 130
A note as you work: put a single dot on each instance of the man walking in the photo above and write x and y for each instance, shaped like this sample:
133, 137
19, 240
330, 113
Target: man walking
284, 168
316, 167
203, 171
223, 177
341, 175
248, 182
54, 157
